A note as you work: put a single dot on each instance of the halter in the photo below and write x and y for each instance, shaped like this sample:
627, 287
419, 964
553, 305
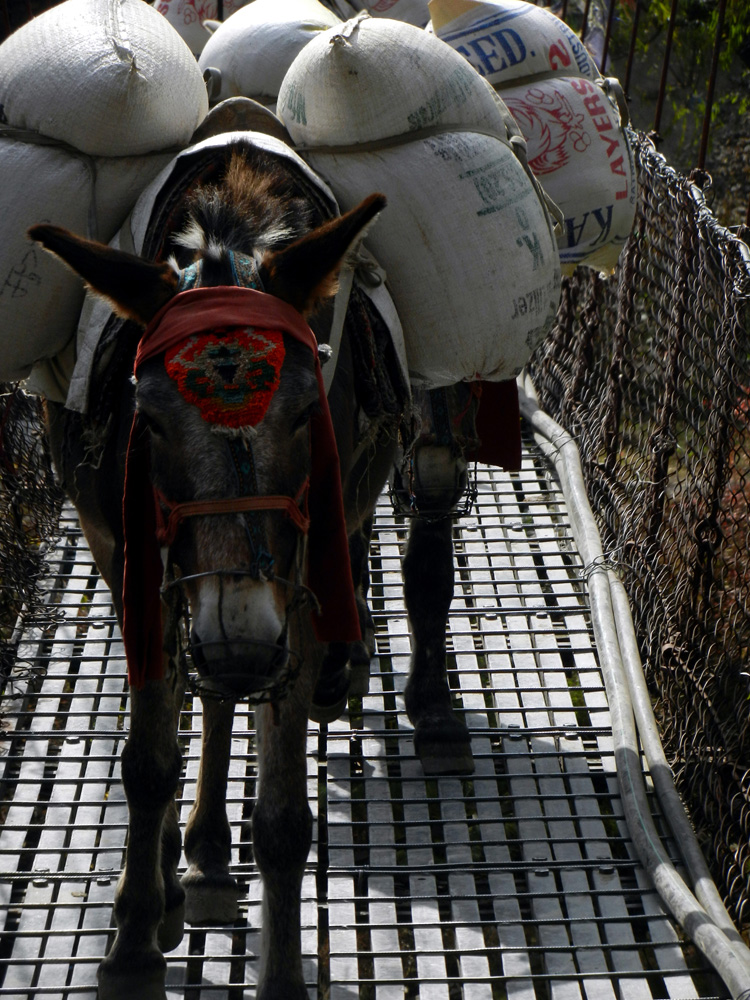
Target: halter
189, 364
317, 511
177, 512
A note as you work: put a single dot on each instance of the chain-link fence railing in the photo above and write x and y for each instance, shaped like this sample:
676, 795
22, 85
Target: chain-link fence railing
649, 369
30, 504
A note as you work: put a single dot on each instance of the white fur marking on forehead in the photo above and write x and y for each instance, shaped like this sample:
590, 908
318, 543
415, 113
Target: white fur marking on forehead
214, 249
193, 237
277, 234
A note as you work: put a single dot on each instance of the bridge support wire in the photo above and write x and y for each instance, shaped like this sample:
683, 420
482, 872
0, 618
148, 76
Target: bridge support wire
699, 911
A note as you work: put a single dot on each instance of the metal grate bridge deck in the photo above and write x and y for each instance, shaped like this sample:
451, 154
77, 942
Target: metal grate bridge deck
518, 883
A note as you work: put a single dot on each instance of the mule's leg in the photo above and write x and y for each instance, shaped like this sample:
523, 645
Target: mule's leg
440, 738
211, 891
172, 926
151, 764
282, 834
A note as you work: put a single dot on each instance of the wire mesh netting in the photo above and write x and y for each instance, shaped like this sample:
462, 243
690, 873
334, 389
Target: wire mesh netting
650, 370
30, 504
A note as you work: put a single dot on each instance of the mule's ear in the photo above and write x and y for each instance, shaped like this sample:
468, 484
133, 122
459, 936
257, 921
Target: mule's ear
306, 272
136, 288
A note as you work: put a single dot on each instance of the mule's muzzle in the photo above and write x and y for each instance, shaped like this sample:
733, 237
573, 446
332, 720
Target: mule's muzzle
237, 669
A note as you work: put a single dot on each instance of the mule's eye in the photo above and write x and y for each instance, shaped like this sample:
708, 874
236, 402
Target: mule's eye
304, 418
155, 427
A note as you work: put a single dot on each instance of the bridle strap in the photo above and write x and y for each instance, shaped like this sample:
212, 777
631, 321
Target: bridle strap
226, 505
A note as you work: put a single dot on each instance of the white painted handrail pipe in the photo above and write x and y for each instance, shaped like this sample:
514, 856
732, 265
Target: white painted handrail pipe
701, 913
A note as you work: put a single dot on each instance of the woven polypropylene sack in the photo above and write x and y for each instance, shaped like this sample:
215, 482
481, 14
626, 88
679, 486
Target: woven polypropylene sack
414, 12
255, 47
510, 41
187, 17
577, 145
582, 156
40, 298
372, 78
468, 248
110, 77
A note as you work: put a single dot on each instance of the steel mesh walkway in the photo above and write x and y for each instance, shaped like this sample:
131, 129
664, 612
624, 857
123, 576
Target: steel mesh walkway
518, 883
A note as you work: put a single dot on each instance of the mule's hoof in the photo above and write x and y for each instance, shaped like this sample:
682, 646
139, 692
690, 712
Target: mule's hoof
359, 663
210, 899
444, 751
142, 977
172, 927
330, 696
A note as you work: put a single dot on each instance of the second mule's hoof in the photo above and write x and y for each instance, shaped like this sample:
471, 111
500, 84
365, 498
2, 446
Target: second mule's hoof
444, 748
210, 899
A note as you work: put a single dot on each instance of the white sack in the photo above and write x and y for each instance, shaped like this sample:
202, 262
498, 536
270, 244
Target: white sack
119, 182
576, 143
372, 78
468, 249
255, 47
40, 299
510, 40
187, 17
582, 156
110, 77
466, 239
411, 11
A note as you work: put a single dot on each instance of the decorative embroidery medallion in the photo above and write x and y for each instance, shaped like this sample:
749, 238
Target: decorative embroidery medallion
230, 375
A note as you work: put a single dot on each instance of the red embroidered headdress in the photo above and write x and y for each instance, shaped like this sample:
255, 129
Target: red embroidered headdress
204, 311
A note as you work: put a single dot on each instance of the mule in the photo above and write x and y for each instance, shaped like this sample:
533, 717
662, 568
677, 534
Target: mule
214, 436
223, 451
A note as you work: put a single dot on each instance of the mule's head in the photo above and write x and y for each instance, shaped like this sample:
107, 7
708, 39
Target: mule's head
231, 419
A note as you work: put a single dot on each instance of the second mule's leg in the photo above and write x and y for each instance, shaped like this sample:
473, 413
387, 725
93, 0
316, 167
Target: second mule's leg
211, 891
441, 739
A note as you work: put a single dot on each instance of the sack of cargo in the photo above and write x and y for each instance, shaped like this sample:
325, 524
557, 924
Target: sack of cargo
466, 239
468, 249
509, 41
39, 300
91, 92
410, 11
576, 141
373, 78
253, 49
187, 18
109, 77
582, 156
